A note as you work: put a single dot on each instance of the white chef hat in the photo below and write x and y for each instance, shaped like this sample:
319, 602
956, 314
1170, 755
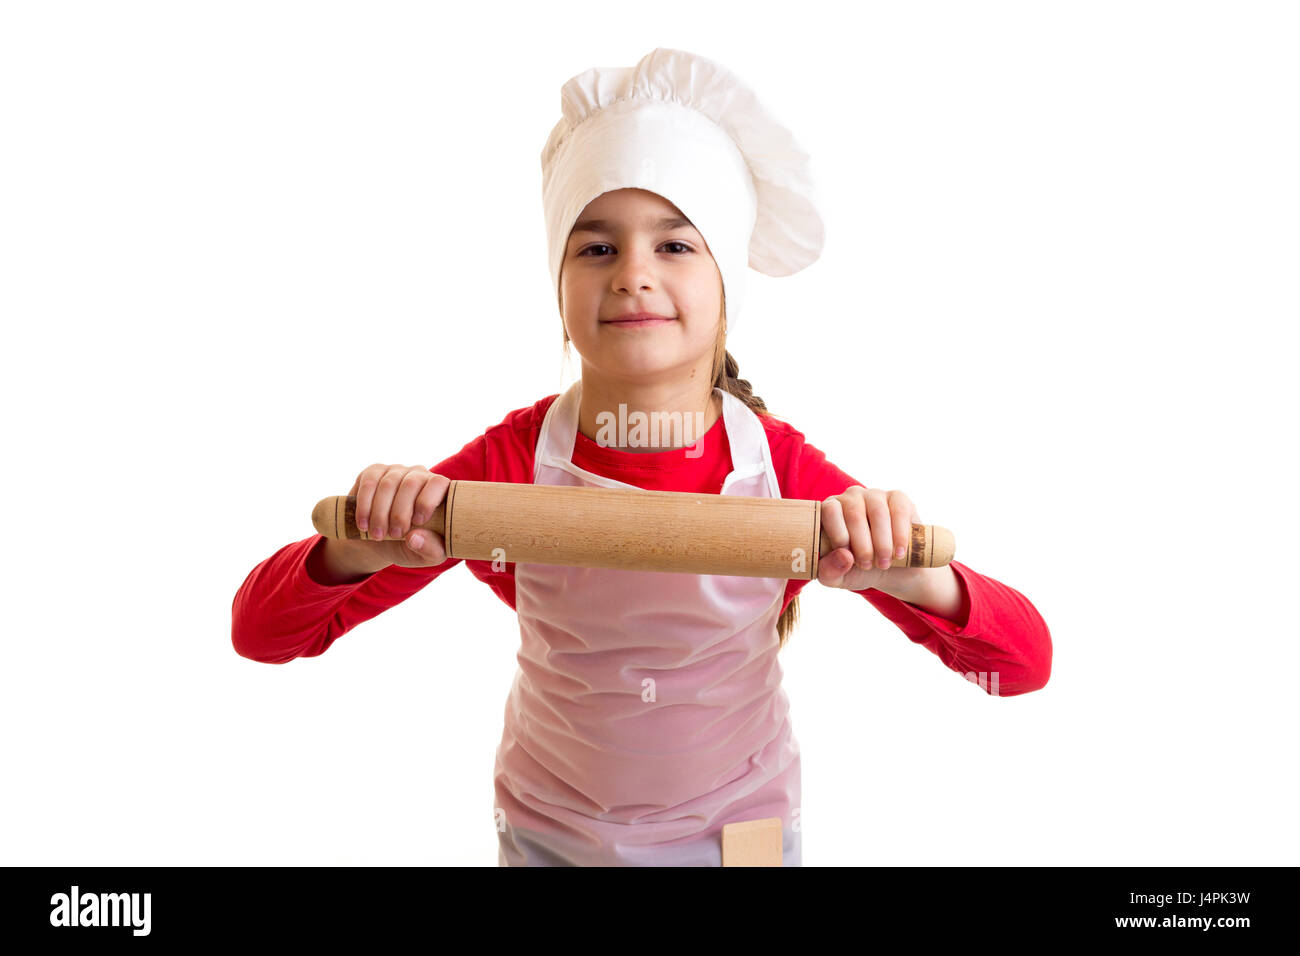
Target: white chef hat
690, 130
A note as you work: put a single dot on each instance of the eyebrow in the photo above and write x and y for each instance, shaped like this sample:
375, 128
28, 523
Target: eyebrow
603, 225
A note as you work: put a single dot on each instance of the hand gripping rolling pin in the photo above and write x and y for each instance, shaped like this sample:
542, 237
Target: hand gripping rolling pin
632, 530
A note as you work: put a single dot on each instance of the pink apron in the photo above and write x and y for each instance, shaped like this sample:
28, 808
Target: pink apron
647, 710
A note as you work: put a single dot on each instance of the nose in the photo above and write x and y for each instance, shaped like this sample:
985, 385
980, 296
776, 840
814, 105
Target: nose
634, 273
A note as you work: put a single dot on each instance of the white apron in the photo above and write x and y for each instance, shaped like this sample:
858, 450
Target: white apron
647, 710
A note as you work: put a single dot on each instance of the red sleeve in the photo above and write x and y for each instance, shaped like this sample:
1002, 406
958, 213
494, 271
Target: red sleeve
280, 612
1003, 633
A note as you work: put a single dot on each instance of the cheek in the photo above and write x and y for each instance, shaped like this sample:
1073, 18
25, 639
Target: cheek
704, 335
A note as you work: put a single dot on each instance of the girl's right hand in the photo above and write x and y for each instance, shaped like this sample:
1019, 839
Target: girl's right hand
391, 501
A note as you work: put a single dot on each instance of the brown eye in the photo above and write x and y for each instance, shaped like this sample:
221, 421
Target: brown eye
601, 245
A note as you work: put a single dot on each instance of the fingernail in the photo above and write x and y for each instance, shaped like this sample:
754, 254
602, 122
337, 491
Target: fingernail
417, 541
899, 553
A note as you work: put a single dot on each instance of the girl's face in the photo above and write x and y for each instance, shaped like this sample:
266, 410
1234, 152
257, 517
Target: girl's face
633, 251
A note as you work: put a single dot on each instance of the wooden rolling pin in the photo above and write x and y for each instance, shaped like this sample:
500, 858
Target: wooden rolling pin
632, 530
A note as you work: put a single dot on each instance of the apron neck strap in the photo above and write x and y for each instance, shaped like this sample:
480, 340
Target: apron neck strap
750, 454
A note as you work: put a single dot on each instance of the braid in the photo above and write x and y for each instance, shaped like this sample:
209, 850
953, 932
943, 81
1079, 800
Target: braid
739, 387
727, 377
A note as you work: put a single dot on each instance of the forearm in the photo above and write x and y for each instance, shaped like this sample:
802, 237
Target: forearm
336, 561
936, 590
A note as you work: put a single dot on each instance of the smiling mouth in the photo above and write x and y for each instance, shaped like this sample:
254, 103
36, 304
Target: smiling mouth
637, 321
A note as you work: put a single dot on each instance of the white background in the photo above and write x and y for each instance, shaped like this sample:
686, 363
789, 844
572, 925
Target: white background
247, 249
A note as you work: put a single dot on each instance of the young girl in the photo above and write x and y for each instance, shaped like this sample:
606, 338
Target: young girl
647, 711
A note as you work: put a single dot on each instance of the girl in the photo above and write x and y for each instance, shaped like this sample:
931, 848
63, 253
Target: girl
647, 711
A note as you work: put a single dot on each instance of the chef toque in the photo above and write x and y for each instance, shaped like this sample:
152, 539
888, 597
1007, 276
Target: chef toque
688, 129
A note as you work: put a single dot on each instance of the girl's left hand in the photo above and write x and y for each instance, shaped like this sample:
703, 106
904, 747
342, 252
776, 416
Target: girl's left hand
867, 528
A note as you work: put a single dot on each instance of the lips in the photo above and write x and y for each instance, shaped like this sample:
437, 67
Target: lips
637, 318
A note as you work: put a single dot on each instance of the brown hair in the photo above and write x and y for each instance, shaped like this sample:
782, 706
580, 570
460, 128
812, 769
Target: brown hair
725, 376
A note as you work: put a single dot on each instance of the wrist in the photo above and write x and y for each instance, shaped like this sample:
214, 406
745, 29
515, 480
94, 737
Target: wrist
906, 584
336, 561
935, 590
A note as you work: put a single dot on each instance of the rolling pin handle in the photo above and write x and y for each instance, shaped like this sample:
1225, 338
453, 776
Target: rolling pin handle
932, 547
336, 517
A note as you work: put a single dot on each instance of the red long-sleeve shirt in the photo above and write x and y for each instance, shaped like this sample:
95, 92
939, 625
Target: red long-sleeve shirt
280, 612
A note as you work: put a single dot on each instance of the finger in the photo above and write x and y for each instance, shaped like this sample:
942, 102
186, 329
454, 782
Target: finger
427, 546
435, 489
838, 560
399, 519
856, 517
383, 502
834, 530
832, 569
366, 484
901, 510
882, 535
